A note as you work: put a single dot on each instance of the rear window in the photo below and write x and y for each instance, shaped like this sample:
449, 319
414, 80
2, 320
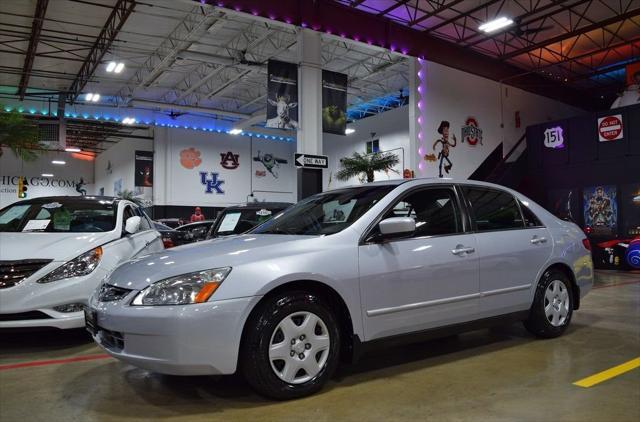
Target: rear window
493, 209
59, 215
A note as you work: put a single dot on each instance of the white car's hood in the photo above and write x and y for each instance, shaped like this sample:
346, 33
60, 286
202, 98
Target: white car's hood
56, 246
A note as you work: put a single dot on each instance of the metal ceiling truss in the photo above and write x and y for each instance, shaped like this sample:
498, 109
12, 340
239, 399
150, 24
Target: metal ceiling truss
119, 15
36, 29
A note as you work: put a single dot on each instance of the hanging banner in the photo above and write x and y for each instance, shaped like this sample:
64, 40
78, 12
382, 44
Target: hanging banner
282, 95
144, 169
334, 102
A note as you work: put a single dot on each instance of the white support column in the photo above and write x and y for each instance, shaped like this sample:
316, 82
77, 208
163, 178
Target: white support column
309, 139
417, 115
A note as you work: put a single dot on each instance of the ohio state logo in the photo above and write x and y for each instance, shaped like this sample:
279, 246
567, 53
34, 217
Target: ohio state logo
471, 132
229, 160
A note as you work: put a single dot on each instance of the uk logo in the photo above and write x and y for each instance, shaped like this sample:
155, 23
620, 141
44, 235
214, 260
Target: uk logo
213, 184
229, 160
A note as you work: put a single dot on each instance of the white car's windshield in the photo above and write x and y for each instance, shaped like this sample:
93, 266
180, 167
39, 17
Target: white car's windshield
325, 213
70, 215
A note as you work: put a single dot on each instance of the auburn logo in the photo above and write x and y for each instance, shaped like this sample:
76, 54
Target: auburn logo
229, 160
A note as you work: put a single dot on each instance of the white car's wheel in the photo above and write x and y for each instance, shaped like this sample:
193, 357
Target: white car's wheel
291, 346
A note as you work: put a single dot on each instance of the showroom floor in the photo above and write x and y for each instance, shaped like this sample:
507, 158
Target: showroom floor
502, 374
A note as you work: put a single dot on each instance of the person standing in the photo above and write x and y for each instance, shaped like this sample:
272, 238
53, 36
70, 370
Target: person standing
197, 215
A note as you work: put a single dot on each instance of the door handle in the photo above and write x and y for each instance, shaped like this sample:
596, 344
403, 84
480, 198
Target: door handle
537, 240
459, 250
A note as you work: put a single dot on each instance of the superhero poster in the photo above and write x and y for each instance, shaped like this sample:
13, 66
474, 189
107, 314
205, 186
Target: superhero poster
144, 169
600, 209
334, 102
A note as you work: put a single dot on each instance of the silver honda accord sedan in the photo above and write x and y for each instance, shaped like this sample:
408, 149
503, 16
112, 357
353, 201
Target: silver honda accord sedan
339, 273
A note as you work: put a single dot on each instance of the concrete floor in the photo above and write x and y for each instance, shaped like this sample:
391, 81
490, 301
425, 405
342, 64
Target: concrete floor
500, 374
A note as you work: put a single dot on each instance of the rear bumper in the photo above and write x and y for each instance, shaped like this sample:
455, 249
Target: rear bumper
200, 339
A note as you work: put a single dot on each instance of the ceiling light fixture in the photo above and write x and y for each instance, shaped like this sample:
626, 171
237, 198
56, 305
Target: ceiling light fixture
59, 162
495, 24
128, 121
349, 131
119, 67
92, 97
73, 149
47, 175
115, 67
111, 66
235, 131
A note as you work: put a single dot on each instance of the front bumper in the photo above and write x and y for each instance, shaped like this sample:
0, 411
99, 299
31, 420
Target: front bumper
193, 339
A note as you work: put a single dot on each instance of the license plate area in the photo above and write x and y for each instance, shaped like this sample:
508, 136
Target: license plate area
91, 321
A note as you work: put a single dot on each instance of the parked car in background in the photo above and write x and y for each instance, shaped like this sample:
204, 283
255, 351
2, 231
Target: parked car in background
54, 251
341, 272
197, 231
239, 219
172, 222
171, 237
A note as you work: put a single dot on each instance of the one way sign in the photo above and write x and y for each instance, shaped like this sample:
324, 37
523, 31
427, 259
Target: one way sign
312, 161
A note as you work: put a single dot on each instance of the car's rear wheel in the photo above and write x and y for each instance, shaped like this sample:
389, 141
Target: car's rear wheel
552, 307
291, 346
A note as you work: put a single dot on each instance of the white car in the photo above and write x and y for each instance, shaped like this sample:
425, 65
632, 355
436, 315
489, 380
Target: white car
340, 272
54, 251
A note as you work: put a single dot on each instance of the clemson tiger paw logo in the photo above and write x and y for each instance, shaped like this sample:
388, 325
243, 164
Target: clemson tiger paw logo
190, 158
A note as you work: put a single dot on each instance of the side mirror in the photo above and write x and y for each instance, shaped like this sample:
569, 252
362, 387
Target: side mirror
132, 225
396, 227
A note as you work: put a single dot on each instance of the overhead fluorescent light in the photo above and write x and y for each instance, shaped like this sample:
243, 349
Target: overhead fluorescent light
495, 24
88, 97
119, 67
96, 98
235, 131
111, 66
73, 149
59, 162
92, 97
47, 175
128, 121
349, 131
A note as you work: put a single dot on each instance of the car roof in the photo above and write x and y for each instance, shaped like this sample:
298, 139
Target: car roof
260, 205
195, 223
88, 198
425, 180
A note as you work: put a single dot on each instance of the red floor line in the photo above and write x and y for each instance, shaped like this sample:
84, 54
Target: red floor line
622, 283
52, 361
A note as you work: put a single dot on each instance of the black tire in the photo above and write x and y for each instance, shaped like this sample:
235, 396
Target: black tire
255, 363
538, 322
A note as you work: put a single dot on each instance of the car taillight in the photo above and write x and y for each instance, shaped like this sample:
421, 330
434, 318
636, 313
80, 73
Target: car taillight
168, 243
587, 244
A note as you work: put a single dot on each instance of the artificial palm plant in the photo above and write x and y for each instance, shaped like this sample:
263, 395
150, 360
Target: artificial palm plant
20, 135
365, 165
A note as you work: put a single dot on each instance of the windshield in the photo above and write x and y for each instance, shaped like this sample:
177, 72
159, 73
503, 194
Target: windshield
59, 215
326, 213
241, 220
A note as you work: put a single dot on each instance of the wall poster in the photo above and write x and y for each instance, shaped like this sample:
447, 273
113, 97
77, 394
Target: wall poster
334, 102
600, 209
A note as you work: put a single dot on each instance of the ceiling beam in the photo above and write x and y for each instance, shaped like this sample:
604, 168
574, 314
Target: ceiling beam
119, 15
36, 28
435, 12
567, 35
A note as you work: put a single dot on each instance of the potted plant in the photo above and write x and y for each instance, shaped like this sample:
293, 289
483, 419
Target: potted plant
20, 135
364, 165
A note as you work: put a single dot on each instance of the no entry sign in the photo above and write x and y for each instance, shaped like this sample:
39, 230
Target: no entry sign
610, 128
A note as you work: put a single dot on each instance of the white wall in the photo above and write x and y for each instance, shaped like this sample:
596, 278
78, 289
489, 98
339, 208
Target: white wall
453, 95
122, 159
63, 183
392, 130
175, 184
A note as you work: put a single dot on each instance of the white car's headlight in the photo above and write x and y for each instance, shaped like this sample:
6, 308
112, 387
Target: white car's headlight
196, 287
82, 265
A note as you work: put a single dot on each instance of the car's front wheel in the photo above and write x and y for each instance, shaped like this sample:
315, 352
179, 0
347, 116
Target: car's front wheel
552, 307
291, 346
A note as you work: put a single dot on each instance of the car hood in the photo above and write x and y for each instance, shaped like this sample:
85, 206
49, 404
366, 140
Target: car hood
228, 251
55, 246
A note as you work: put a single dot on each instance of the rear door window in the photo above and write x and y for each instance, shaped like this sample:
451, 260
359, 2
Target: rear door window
493, 209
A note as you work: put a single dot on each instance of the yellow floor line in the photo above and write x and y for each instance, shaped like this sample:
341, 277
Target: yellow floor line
608, 373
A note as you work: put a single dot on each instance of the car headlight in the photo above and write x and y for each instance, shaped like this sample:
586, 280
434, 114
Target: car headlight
196, 287
82, 265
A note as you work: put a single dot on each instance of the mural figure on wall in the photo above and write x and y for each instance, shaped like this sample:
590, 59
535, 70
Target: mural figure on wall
601, 209
270, 162
80, 187
443, 154
190, 158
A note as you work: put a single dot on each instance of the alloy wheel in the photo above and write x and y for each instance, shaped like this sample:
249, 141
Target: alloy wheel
556, 303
